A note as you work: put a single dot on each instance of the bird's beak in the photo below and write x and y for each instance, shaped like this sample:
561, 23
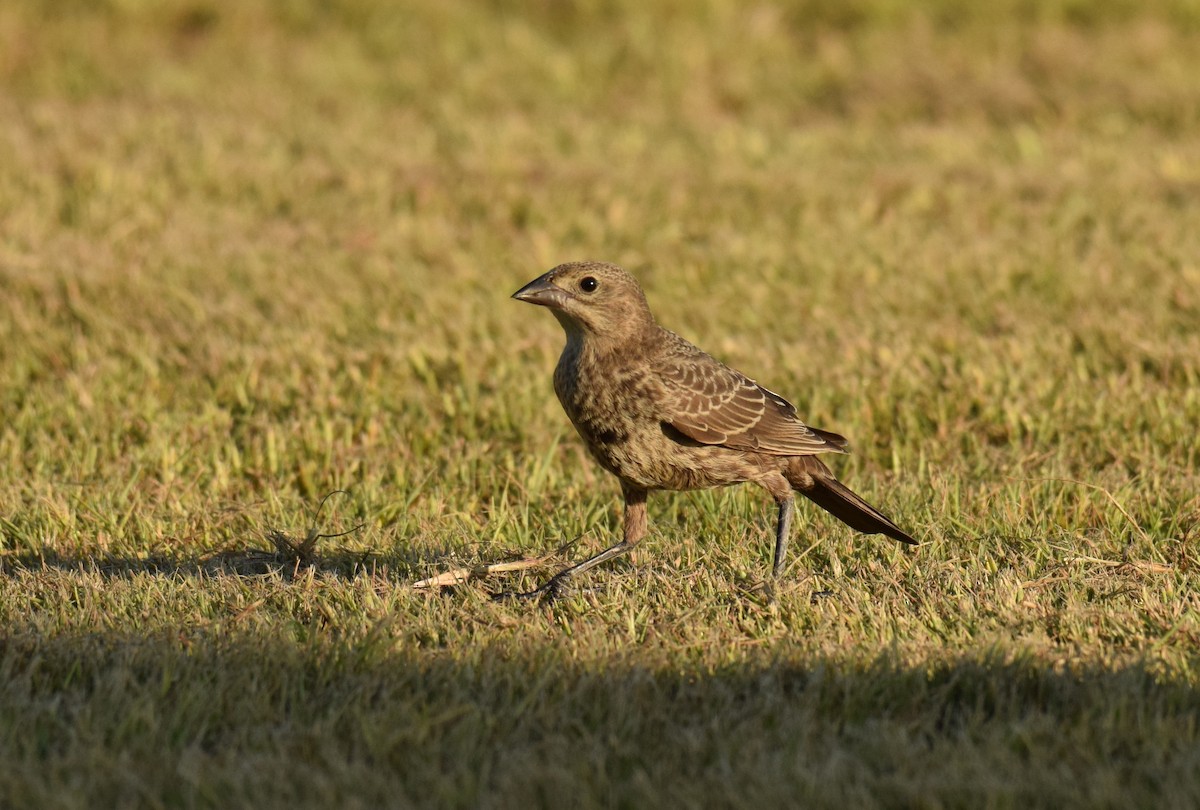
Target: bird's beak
543, 292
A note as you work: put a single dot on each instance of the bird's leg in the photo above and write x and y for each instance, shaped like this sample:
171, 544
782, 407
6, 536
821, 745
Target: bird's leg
782, 530
633, 531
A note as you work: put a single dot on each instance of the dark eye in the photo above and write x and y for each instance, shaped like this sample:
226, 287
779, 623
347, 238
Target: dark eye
588, 284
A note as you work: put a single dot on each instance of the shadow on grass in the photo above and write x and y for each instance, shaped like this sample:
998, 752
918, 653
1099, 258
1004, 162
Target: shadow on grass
244, 562
212, 720
288, 561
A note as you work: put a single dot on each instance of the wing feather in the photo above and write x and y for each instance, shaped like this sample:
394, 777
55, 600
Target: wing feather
711, 403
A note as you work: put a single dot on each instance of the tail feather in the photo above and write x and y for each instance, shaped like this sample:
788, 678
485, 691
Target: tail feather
812, 479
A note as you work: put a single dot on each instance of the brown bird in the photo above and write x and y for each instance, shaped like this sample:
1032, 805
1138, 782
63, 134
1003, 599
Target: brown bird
659, 413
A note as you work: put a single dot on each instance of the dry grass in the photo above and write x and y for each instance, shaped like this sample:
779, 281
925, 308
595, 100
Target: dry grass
254, 252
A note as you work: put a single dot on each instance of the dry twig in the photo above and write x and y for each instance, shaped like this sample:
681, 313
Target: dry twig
458, 576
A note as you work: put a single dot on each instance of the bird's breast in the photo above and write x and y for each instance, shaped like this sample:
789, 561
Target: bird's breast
611, 405
601, 396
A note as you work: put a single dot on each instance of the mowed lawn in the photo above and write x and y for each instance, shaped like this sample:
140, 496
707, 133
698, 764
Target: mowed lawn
254, 252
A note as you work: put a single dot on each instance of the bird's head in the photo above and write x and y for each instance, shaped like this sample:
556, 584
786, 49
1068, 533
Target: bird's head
591, 298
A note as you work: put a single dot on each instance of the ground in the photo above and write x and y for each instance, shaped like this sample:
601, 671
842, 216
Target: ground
255, 252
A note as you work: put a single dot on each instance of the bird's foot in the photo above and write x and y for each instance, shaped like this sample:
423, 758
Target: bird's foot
554, 588
771, 594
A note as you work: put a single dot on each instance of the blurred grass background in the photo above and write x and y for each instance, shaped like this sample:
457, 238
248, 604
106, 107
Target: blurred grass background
253, 252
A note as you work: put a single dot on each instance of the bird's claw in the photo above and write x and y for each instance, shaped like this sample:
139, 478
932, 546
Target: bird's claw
771, 593
554, 588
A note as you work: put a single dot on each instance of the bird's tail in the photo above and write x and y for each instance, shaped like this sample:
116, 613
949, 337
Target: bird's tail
811, 478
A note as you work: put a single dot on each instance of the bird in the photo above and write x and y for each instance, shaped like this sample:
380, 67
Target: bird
661, 414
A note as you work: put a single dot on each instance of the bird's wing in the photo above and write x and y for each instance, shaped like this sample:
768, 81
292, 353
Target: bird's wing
711, 403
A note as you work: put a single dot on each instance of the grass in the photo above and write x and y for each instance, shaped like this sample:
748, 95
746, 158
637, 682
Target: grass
254, 252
